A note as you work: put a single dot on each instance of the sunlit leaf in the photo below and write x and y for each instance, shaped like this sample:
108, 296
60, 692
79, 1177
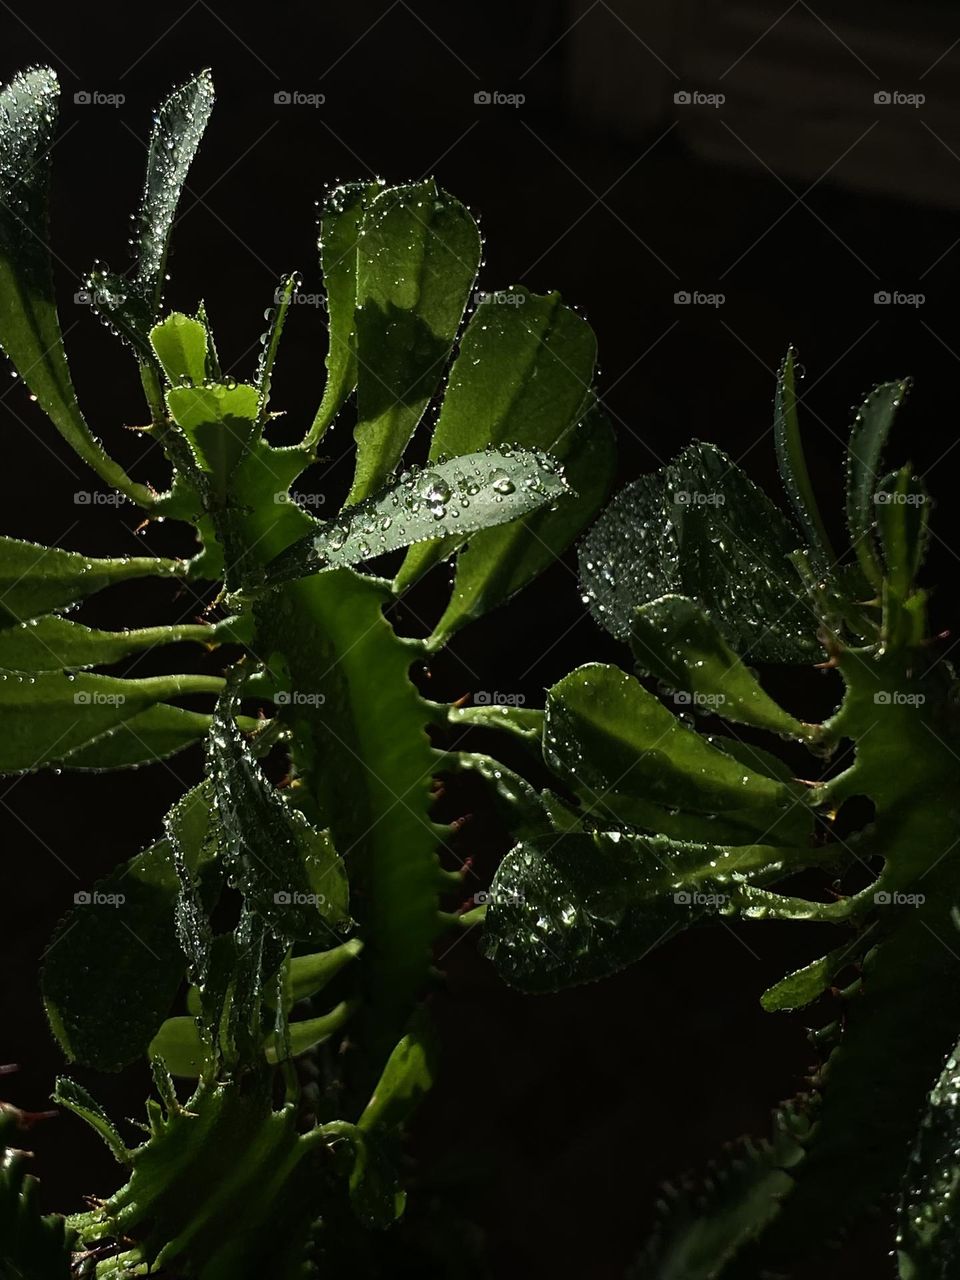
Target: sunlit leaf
631, 760
455, 497
35, 579
418, 254
522, 377
340, 218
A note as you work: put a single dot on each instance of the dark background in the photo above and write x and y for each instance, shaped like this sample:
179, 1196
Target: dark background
564, 1112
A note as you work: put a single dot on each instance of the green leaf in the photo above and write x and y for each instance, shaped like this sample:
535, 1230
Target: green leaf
146, 738
340, 219
805, 985
219, 421
304, 976
903, 517
418, 255
51, 643
178, 127
521, 377
927, 1244
572, 908
51, 715
407, 1077
700, 528
678, 643
456, 497
75, 1098
179, 1046
288, 873
36, 579
867, 439
29, 328
623, 752
497, 563
180, 344
114, 965
793, 464
276, 317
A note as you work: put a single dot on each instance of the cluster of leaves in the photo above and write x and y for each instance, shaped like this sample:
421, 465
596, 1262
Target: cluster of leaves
201, 951
653, 826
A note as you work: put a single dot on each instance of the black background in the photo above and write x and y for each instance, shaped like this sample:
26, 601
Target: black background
556, 1117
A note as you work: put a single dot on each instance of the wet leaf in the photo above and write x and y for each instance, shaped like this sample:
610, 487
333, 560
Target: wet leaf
177, 129
497, 563
903, 517
675, 641
29, 327
276, 317
51, 715
146, 738
522, 377
288, 872
220, 422
632, 761
36, 579
418, 254
340, 219
572, 908
805, 985
700, 528
75, 1098
180, 344
793, 464
927, 1244
459, 496
52, 643
114, 965
867, 439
